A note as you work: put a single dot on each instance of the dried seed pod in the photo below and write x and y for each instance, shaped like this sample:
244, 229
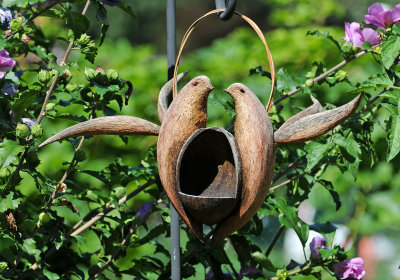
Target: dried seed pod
313, 109
315, 125
187, 113
115, 125
165, 96
209, 175
254, 137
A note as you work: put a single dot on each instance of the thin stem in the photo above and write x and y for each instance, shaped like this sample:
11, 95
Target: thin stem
46, 100
276, 238
42, 11
322, 76
287, 182
84, 227
285, 171
109, 209
116, 252
305, 268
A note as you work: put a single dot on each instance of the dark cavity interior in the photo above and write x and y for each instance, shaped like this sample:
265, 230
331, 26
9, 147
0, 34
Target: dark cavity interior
207, 168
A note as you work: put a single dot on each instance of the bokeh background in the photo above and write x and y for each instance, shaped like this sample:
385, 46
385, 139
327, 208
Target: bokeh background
369, 219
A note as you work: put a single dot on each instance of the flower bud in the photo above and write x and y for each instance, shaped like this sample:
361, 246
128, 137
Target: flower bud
90, 73
37, 131
80, 156
44, 76
16, 24
3, 266
309, 83
112, 74
44, 218
340, 75
316, 244
22, 131
4, 173
50, 107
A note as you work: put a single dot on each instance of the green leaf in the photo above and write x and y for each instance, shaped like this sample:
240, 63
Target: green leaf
9, 150
289, 218
77, 22
350, 151
50, 275
24, 101
394, 135
390, 50
324, 228
325, 35
10, 3
9, 202
315, 152
264, 261
29, 247
285, 81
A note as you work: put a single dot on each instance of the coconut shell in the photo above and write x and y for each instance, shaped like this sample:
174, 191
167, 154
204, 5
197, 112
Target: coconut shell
186, 114
254, 137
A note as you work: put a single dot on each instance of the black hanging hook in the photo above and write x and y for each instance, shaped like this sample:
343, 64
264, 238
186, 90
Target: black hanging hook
229, 9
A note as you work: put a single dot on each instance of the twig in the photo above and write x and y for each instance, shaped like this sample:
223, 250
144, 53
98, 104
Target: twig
307, 267
276, 238
287, 182
322, 76
285, 171
116, 252
82, 228
46, 100
109, 209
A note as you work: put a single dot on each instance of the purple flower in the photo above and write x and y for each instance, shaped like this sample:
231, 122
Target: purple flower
317, 243
144, 210
357, 37
350, 269
251, 272
29, 122
8, 89
381, 18
6, 62
111, 2
5, 17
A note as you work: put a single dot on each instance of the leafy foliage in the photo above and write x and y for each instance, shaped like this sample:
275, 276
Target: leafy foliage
95, 208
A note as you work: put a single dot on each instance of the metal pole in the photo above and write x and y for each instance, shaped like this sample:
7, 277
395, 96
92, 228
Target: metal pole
171, 55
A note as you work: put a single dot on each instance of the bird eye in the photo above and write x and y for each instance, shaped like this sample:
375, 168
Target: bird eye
195, 83
242, 90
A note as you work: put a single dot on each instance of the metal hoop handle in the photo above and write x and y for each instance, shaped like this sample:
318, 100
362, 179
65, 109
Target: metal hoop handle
255, 28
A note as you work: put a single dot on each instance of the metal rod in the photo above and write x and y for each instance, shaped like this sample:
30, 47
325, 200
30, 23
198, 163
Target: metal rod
171, 57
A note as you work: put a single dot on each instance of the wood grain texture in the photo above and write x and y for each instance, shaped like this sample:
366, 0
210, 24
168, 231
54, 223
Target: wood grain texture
114, 125
315, 125
313, 109
254, 137
165, 96
187, 113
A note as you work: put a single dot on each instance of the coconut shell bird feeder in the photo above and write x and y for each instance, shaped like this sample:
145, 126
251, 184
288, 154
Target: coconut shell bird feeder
213, 177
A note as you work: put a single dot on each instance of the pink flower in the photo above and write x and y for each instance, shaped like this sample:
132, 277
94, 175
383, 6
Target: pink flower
98, 68
316, 244
6, 62
357, 37
381, 18
350, 269
26, 40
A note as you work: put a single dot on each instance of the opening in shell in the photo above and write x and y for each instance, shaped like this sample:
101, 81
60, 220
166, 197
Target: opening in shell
209, 175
